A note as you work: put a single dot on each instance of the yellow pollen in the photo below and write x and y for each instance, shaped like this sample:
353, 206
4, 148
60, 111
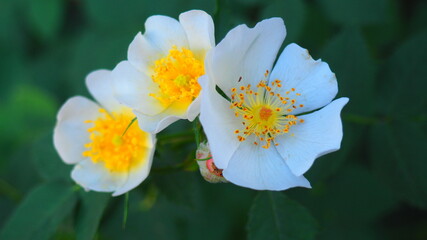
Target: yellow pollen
176, 75
264, 112
108, 146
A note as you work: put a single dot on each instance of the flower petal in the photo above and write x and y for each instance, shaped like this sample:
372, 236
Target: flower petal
218, 123
261, 169
138, 175
321, 133
94, 176
132, 88
194, 109
245, 54
100, 85
199, 28
142, 54
314, 80
70, 133
158, 122
165, 32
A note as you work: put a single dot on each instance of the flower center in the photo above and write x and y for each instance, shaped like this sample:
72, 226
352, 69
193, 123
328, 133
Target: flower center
118, 152
264, 112
177, 74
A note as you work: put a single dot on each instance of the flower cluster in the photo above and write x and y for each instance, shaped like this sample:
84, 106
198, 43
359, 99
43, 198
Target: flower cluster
265, 125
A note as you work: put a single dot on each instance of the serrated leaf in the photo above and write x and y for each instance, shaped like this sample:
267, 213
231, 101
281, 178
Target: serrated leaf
398, 141
40, 213
274, 216
403, 78
90, 214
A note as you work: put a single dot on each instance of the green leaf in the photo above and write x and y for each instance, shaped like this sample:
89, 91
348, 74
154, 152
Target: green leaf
398, 152
317, 30
47, 161
355, 12
349, 58
274, 216
11, 33
419, 17
28, 113
402, 85
349, 202
398, 142
40, 213
293, 13
45, 17
93, 205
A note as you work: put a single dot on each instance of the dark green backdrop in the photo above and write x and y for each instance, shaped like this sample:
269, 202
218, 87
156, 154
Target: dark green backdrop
375, 187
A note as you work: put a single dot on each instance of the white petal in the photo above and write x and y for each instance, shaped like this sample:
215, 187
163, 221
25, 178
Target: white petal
200, 30
165, 32
219, 123
132, 88
94, 176
100, 85
138, 175
194, 109
142, 54
313, 79
245, 53
262, 169
174, 112
319, 134
158, 122
70, 133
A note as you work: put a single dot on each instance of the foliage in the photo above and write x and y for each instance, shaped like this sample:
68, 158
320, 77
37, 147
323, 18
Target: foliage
375, 187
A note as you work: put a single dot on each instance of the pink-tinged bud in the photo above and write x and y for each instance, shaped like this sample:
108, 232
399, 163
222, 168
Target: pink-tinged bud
207, 167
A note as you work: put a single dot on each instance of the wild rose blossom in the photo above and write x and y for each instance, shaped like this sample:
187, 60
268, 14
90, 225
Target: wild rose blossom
109, 154
263, 133
159, 80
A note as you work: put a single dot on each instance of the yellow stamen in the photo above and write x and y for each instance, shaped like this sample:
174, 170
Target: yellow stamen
265, 113
177, 74
108, 147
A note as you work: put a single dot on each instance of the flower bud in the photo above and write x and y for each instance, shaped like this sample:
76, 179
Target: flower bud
207, 167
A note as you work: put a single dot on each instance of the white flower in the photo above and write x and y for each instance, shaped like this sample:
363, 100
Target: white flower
261, 137
159, 80
93, 137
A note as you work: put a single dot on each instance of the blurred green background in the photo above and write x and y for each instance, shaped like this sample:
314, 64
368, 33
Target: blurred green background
375, 187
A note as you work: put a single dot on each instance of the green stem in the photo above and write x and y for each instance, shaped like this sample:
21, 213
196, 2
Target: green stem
125, 212
196, 129
202, 159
